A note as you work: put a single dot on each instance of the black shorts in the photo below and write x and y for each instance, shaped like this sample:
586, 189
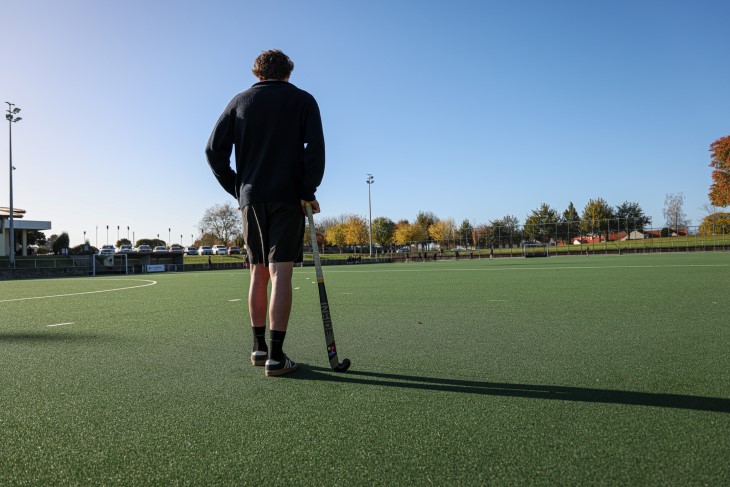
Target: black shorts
274, 232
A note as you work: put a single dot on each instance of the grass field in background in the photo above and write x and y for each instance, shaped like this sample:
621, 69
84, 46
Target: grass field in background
570, 370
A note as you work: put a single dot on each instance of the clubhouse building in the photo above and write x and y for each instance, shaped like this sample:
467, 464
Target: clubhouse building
21, 227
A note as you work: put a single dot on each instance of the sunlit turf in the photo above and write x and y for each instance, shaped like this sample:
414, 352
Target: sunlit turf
567, 370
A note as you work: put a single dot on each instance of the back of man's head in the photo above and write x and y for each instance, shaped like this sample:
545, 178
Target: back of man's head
273, 65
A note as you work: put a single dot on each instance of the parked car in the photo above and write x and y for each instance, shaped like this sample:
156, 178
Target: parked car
220, 249
160, 248
106, 250
205, 250
403, 250
144, 248
233, 250
177, 248
125, 249
191, 251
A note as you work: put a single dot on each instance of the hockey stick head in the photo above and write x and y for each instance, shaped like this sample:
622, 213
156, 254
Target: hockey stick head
343, 366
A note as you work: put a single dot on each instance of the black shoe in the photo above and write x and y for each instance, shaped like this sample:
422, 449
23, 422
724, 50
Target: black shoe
279, 367
259, 358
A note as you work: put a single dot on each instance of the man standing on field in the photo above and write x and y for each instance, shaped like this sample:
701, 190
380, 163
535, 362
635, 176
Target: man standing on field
276, 130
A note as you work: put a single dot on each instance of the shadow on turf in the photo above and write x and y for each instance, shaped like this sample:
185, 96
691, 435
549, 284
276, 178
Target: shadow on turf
532, 391
46, 337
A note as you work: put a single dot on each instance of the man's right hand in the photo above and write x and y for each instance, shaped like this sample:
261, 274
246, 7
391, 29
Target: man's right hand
314, 204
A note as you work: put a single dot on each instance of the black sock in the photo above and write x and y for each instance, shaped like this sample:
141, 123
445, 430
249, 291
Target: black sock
277, 344
259, 339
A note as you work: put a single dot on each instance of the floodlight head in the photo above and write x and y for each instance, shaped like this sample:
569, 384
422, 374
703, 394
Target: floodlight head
18, 119
8, 117
16, 110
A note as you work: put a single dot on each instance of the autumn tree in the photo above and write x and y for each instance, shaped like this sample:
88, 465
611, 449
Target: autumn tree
541, 223
596, 216
222, 221
720, 157
424, 219
442, 231
335, 235
406, 233
483, 235
716, 224
319, 233
356, 230
383, 231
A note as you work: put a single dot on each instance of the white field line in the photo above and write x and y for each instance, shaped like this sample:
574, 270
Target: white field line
234, 300
149, 283
61, 324
555, 268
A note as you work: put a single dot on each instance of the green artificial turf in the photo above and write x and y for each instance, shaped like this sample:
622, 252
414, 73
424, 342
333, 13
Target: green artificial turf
567, 370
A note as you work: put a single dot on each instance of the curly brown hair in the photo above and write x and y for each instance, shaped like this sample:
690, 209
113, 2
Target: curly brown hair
272, 64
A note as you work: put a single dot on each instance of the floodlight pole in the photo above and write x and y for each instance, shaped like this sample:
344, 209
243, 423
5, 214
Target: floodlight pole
370, 180
11, 118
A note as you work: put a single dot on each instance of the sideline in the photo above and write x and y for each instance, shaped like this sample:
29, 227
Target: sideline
149, 283
525, 268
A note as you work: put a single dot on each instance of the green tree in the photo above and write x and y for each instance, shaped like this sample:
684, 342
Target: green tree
464, 232
61, 242
631, 217
541, 224
79, 249
383, 231
36, 237
596, 216
569, 225
507, 230
152, 242
123, 241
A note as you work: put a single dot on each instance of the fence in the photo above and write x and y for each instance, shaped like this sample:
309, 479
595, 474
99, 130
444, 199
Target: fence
606, 236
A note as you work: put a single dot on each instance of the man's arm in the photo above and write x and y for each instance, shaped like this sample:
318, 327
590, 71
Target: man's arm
313, 155
218, 152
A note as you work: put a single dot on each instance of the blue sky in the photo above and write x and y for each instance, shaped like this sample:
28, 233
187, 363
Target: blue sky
469, 110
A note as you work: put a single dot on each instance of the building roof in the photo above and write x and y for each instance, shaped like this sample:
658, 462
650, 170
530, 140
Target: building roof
17, 212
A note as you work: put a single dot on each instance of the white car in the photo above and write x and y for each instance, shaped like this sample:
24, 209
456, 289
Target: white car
176, 248
191, 251
160, 248
125, 249
205, 250
144, 248
107, 250
220, 250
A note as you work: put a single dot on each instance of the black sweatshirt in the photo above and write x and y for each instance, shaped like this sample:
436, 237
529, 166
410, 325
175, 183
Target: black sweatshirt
277, 131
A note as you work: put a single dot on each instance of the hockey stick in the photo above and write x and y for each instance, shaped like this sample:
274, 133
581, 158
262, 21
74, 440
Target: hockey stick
329, 335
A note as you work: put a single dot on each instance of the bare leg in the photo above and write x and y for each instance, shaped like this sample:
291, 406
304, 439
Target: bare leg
281, 295
257, 294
